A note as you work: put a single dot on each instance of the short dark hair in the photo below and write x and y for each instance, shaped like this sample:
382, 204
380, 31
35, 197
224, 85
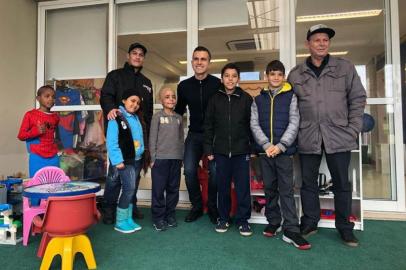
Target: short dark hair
230, 66
275, 65
43, 88
202, 49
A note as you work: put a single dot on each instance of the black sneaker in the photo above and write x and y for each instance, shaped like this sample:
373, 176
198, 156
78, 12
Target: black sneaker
296, 239
193, 215
222, 226
109, 215
271, 230
307, 230
349, 238
245, 229
171, 221
160, 225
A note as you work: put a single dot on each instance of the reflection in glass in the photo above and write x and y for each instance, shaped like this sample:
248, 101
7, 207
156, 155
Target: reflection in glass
248, 35
377, 155
80, 138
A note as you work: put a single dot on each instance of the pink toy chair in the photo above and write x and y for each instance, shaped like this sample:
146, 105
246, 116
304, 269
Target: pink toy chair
64, 225
45, 175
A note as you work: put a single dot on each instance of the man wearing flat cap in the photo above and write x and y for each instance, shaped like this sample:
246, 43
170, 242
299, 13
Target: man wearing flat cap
118, 81
331, 102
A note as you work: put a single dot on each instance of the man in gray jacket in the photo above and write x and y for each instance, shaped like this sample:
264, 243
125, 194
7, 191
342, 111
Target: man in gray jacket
331, 102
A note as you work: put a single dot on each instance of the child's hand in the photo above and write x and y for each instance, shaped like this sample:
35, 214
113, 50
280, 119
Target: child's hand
210, 157
120, 166
151, 164
275, 151
268, 151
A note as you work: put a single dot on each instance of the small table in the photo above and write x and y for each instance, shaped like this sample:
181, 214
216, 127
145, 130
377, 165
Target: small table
61, 189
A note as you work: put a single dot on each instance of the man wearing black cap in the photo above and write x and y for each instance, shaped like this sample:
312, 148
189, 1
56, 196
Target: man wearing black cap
118, 81
331, 102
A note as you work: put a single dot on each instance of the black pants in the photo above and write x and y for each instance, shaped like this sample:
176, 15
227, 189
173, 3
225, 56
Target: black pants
235, 168
277, 174
338, 164
165, 188
192, 156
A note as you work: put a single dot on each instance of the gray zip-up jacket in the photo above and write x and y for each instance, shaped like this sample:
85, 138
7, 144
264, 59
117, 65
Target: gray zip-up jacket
166, 136
290, 133
330, 106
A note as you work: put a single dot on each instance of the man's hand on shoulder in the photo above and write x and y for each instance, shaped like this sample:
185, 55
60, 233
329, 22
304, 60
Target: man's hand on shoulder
112, 114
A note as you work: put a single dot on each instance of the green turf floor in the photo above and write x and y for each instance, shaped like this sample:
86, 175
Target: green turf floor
197, 246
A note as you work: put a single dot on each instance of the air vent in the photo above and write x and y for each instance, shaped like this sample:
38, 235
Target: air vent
241, 45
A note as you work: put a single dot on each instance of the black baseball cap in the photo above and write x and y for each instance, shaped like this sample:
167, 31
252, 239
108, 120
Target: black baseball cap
320, 28
137, 45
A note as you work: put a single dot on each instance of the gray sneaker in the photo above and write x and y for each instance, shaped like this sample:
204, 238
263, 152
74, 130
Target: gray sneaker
160, 225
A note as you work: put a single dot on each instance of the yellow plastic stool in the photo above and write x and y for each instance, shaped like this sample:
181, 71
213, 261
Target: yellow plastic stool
67, 247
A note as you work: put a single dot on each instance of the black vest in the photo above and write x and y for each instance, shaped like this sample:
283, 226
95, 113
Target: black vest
125, 139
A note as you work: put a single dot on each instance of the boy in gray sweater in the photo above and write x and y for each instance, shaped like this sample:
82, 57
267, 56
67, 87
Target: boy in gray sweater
166, 148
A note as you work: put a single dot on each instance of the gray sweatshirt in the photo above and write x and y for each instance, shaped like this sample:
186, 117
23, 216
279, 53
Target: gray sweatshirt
166, 136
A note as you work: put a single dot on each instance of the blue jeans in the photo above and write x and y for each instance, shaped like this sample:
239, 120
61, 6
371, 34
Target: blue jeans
124, 180
192, 156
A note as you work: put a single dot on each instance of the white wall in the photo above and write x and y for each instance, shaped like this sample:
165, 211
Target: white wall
18, 29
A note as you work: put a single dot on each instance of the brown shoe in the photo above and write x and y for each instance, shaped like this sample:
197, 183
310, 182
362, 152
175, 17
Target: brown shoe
349, 238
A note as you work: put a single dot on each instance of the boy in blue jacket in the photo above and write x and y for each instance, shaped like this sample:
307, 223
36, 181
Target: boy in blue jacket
274, 124
125, 146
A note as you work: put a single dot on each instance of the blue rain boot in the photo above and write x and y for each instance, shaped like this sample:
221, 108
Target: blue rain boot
130, 218
122, 224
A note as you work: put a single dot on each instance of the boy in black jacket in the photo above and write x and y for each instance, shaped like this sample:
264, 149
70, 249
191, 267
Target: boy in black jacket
227, 141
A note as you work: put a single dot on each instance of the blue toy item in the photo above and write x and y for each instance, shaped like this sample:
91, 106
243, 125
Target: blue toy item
368, 123
8, 230
11, 181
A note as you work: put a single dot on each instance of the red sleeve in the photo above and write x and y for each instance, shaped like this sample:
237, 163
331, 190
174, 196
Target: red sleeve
28, 129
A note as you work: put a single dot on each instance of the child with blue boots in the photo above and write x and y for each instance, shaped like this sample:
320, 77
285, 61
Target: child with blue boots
125, 146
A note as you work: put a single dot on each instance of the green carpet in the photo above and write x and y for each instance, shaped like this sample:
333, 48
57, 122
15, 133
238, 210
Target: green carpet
197, 246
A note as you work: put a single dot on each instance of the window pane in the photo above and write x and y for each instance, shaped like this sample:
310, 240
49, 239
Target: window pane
81, 140
72, 33
378, 155
359, 39
161, 27
248, 35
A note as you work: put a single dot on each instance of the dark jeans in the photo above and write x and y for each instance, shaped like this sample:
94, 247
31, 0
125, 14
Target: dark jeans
121, 179
193, 154
338, 164
234, 169
165, 188
277, 174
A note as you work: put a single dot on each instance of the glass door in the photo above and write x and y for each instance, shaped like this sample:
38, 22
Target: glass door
365, 31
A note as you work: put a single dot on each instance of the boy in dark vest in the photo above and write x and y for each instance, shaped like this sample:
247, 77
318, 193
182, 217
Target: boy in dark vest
274, 125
